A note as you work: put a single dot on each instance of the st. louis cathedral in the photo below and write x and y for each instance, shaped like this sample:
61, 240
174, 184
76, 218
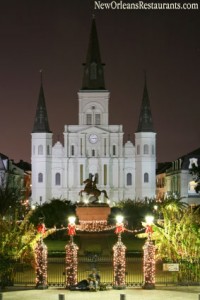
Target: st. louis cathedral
93, 147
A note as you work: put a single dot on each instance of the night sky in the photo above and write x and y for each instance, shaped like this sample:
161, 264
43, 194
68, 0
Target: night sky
53, 35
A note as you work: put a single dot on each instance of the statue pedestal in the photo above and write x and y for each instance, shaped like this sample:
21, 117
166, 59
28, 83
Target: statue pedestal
93, 213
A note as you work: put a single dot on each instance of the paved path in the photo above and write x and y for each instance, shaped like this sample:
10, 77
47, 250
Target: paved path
160, 293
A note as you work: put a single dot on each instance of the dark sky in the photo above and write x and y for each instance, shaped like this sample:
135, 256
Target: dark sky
53, 35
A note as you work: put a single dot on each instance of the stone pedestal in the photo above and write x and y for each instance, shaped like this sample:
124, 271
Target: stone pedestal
93, 213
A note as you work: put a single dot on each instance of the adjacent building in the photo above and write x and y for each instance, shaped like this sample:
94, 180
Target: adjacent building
175, 178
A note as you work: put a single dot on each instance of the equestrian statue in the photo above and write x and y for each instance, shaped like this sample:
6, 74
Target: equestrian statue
91, 189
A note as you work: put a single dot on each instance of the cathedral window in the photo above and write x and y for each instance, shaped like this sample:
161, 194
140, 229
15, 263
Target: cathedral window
57, 179
129, 179
146, 149
97, 177
97, 119
81, 147
114, 150
40, 177
93, 71
105, 174
138, 149
72, 150
105, 147
146, 177
81, 174
40, 149
48, 150
93, 152
88, 119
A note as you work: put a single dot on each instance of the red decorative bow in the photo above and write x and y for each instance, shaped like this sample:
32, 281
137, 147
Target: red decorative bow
148, 229
119, 228
71, 229
41, 228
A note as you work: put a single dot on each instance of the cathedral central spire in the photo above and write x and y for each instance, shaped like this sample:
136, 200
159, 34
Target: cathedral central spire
93, 77
145, 120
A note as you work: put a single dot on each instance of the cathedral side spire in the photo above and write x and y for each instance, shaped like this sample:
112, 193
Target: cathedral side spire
93, 77
41, 123
145, 120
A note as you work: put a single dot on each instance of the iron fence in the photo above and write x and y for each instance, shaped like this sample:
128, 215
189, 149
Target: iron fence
25, 275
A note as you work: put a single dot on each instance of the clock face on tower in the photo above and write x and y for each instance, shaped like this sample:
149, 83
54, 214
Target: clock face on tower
93, 138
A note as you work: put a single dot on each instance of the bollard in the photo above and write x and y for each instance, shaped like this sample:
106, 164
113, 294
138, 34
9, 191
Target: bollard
122, 297
61, 297
198, 298
1, 296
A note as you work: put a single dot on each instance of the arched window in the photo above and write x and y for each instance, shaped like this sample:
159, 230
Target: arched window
40, 149
146, 177
88, 119
146, 149
96, 177
72, 150
93, 152
57, 179
40, 177
97, 119
138, 149
114, 150
48, 150
129, 179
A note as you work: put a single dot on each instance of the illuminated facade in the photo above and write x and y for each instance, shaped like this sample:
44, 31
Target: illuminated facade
93, 146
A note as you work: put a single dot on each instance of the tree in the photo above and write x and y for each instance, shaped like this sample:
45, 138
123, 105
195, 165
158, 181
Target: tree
177, 237
17, 242
134, 212
12, 198
55, 214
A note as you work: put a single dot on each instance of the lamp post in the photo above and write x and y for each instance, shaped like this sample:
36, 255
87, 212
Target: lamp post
41, 258
119, 261
71, 255
149, 256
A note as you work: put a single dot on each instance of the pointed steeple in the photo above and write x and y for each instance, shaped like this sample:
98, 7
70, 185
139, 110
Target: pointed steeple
93, 77
145, 120
41, 123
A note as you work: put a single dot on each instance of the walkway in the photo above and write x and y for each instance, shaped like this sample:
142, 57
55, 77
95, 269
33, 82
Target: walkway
164, 293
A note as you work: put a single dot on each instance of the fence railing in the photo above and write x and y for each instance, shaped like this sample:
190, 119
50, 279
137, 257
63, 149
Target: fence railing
25, 275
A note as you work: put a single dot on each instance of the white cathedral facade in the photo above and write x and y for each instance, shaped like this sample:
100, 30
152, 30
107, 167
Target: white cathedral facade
93, 147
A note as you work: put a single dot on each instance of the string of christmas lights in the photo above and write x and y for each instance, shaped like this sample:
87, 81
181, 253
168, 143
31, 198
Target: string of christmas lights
149, 262
41, 264
71, 263
94, 226
119, 264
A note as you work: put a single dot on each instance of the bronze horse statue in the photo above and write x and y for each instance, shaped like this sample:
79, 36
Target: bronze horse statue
91, 189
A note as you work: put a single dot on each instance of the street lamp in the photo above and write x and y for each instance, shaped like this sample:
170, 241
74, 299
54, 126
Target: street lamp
149, 256
119, 261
